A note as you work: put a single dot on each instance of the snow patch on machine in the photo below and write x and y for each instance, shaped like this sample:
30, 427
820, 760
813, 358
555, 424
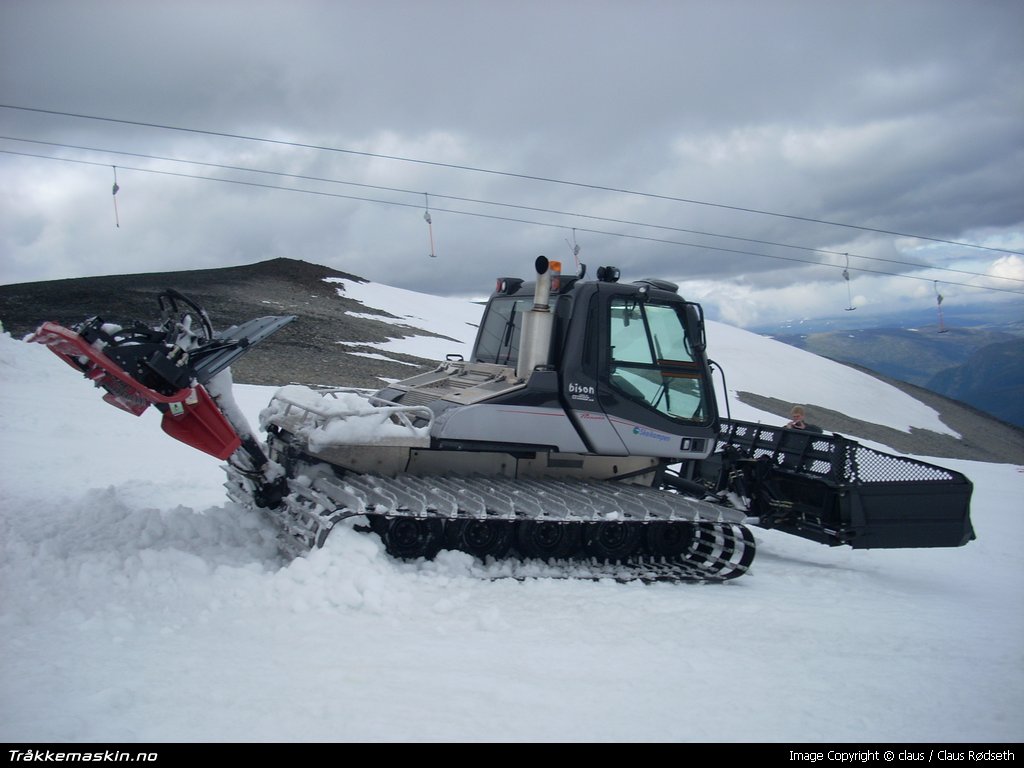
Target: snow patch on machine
345, 417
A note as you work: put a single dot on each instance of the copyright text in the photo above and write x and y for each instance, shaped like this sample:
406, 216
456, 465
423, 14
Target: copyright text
959, 755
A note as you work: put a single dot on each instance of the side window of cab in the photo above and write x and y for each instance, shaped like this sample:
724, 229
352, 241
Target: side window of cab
651, 359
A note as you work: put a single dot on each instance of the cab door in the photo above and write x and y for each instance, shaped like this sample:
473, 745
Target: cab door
655, 385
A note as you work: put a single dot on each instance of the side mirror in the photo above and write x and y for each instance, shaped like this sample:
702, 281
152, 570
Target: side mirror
695, 326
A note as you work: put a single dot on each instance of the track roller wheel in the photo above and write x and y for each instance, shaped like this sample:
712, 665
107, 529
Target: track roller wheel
410, 538
548, 541
669, 539
611, 541
480, 538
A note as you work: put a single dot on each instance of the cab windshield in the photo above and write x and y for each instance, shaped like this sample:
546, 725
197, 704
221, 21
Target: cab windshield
498, 340
652, 360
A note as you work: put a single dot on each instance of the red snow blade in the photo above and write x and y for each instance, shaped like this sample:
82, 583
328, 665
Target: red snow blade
123, 391
189, 415
199, 422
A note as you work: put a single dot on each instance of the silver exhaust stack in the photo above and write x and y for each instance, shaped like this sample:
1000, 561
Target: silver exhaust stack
538, 323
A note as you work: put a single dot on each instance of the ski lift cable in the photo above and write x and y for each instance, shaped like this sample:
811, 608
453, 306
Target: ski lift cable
494, 217
515, 206
495, 172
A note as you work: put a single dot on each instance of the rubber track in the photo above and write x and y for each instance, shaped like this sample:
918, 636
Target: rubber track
721, 548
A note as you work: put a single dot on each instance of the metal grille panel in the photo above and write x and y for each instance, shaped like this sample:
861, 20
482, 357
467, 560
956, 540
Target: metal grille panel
831, 457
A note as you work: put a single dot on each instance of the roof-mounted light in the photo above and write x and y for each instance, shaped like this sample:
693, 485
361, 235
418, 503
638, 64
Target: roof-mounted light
555, 268
507, 285
608, 274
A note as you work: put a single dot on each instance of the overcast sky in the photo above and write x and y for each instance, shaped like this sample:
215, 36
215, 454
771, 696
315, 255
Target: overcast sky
900, 116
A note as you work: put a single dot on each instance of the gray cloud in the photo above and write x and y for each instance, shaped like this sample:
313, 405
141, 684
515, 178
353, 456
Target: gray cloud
901, 116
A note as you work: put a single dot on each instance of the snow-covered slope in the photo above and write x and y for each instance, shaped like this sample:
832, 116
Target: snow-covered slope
753, 363
136, 604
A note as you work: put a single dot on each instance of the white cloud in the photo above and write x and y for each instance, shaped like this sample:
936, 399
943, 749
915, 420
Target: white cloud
1010, 266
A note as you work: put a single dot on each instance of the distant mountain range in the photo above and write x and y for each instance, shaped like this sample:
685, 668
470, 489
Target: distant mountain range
983, 367
992, 380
